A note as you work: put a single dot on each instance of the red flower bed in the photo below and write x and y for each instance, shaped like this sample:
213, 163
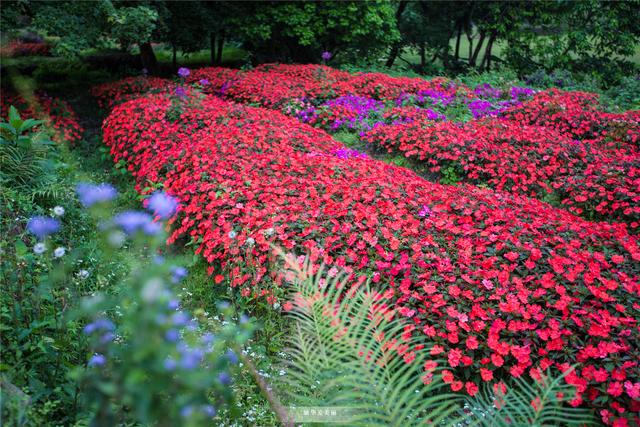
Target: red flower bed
576, 114
500, 285
58, 114
528, 160
18, 48
112, 93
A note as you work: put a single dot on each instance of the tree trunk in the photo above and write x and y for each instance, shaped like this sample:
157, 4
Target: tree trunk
395, 49
212, 41
470, 40
472, 60
175, 57
423, 59
487, 53
148, 58
220, 46
457, 54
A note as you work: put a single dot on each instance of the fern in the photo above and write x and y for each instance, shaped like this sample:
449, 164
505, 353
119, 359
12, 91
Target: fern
541, 403
340, 357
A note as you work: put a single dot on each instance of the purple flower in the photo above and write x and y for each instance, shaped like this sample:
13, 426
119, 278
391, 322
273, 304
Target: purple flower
326, 55
519, 93
170, 364
179, 318
204, 82
133, 221
231, 355
425, 212
42, 226
209, 410
224, 378
178, 273
180, 92
99, 325
346, 153
97, 360
183, 72
172, 335
90, 194
186, 411
191, 358
162, 204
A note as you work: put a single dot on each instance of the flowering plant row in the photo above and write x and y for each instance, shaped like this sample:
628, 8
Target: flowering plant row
19, 48
524, 159
57, 114
584, 159
497, 284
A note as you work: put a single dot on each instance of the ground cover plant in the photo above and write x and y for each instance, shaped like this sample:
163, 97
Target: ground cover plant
497, 283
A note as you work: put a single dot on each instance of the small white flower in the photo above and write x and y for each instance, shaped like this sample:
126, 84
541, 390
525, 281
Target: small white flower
250, 241
232, 234
269, 231
58, 211
83, 274
59, 252
276, 306
39, 248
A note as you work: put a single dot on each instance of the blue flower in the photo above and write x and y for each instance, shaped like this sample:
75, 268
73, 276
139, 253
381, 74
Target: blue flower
178, 274
90, 194
99, 325
170, 364
179, 318
172, 335
162, 205
224, 378
133, 221
186, 411
209, 410
183, 72
97, 360
232, 356
42, 226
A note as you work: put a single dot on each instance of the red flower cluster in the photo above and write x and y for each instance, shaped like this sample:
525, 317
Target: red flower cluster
112, 93
499, 285
531, 160
58, 114
18, 48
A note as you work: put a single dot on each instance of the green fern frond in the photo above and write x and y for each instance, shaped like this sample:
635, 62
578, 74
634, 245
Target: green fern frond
342, 355
541, 403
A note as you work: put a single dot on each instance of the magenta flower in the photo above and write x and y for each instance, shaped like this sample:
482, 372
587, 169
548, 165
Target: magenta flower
183, 72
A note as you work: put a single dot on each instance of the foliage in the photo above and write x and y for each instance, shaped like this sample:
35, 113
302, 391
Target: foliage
25, 155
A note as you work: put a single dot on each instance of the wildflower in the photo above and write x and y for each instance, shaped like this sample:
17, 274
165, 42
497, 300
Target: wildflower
39, 248
162, 204
174, 304
59, 252
42, 226
250, 241
209, 410
179, 318
83, 274
90, 194
97, 360
232, 234
133, 221
178, 273
183, 72
224, 378
170, 364
58, 211
186, 411
231, 355
98, 325
326, 56
180, 92
172, 335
